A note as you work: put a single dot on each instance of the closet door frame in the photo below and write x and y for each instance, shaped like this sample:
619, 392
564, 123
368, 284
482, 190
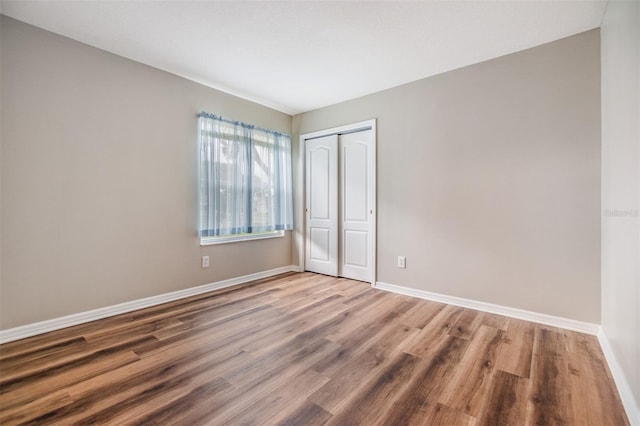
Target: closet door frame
349, 128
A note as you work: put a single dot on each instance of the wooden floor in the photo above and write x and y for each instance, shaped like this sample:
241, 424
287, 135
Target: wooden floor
306, 349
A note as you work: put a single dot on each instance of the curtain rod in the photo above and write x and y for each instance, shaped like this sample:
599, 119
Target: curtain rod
240, 123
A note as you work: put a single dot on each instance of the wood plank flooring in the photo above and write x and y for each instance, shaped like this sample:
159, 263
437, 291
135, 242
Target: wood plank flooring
306, 349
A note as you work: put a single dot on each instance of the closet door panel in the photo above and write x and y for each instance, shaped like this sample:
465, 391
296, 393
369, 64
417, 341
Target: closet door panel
321, 254
356, 205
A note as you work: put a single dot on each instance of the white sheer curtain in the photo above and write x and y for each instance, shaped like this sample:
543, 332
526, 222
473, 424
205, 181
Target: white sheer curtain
245, 178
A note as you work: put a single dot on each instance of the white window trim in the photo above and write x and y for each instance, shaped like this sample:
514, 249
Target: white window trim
208, 241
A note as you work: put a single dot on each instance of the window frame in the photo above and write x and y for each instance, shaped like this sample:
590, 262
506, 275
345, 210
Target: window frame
225, 239
248, 236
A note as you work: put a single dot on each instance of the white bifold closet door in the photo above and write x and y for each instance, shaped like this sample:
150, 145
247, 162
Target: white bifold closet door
355, 206
339, 186
322, 205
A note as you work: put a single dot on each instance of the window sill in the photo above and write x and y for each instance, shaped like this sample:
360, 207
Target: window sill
209, 241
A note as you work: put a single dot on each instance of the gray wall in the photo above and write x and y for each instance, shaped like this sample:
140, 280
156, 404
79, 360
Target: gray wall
99, 186
621, 187
489, 179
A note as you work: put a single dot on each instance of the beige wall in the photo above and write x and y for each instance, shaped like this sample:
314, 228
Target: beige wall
99, 180
489, 179
621, 186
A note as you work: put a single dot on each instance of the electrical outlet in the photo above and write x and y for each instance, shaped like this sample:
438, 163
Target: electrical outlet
402, 262
204, 261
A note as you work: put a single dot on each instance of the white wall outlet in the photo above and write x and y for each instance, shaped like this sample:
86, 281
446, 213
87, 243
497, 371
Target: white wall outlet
204, 262
402, 262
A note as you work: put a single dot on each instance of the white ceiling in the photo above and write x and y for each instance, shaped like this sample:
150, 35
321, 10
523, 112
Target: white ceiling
296, 56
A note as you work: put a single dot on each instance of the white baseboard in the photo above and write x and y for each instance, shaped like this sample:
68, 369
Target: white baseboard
624, 389
566, 323
29, 330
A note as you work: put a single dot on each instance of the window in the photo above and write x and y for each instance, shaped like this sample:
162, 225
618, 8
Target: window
245, 181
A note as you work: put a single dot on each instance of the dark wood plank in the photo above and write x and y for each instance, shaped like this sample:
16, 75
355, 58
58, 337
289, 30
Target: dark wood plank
25, 413
597, 405
356, 343
421, 395
505, 405
469, 386
376, 397
443, 415
106, 395
435, 332
283, 400
274, 382
24, 390
466, 325
175, 411
351, 377
551, 389
306, 414
421, 314
600, 404
515, 352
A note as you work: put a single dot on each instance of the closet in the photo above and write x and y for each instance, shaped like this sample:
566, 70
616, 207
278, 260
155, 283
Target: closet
340, 202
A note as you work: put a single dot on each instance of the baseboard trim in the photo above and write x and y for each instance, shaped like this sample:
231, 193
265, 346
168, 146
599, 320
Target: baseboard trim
29, 330
566, 323
624, 389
